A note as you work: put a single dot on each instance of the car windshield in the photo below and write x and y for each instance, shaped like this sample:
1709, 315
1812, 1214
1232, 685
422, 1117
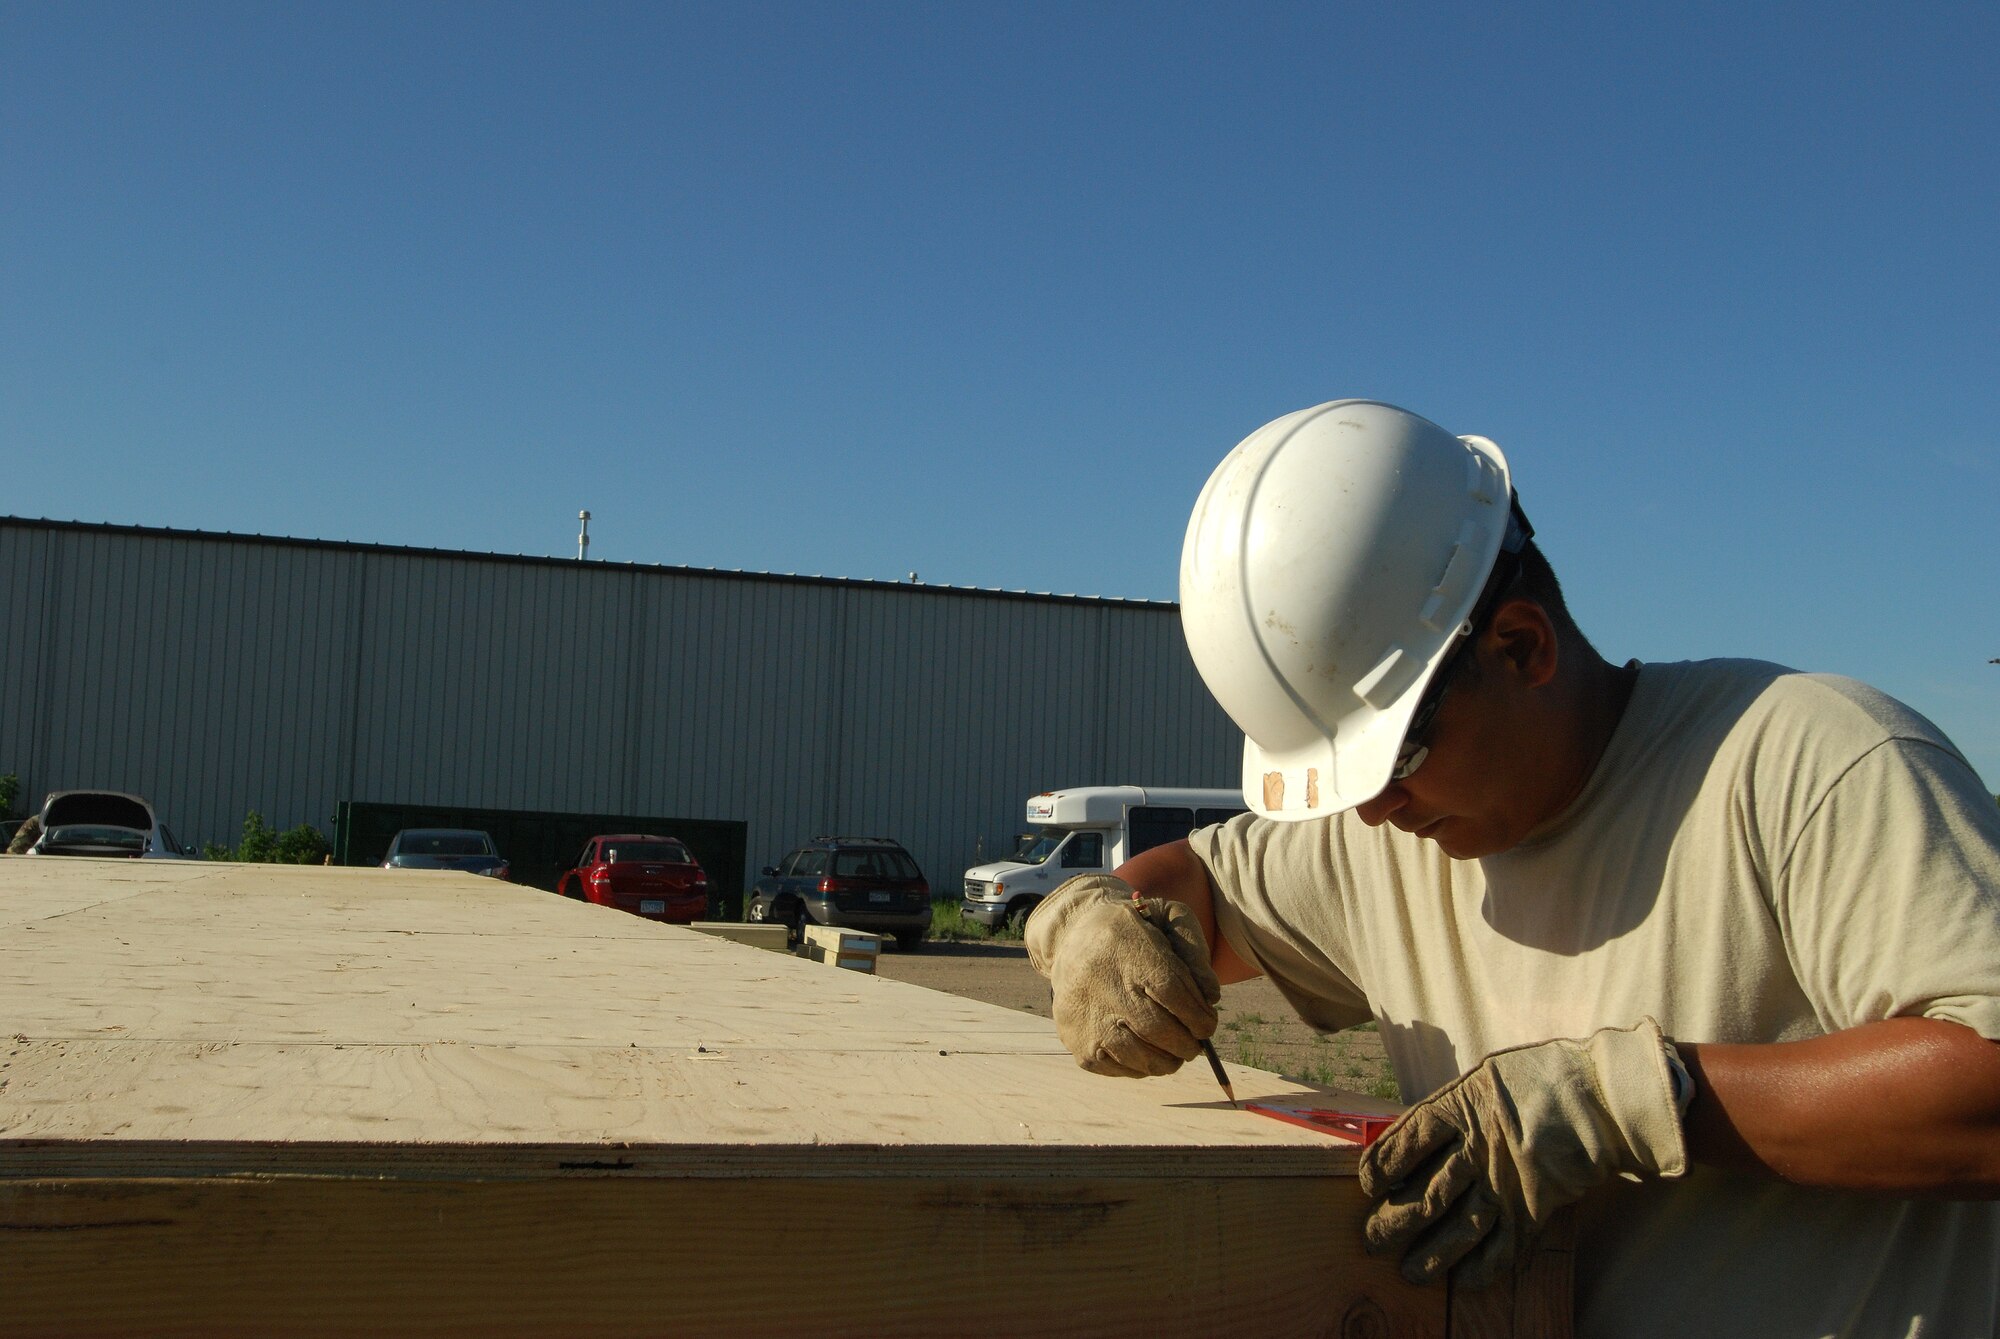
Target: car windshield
1036, 847
874, 865
92, 834
652, 853
444, 843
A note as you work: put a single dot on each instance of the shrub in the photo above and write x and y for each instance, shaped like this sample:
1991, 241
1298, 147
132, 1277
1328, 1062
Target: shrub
264, 845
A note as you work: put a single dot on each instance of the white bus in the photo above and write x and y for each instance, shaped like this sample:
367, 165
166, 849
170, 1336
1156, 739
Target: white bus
1084, 830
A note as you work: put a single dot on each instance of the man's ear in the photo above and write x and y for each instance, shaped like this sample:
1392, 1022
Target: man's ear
1524, 638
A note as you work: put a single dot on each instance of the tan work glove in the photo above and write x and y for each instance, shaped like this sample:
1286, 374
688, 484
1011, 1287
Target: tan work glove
1468, 1176
1135, 993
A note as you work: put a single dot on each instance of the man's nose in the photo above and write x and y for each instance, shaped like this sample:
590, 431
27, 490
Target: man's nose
1374, 812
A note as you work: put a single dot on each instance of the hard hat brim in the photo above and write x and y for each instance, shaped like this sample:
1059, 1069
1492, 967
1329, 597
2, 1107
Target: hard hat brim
1328, 777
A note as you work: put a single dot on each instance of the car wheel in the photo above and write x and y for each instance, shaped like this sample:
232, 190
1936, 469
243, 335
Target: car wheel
1018, 913
909, 941
756, 912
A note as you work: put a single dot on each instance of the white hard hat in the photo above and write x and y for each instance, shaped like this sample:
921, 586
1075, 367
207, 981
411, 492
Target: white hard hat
1330, 563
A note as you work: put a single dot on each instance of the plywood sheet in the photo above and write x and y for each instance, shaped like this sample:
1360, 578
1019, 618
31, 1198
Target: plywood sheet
269, 1004
251, 1099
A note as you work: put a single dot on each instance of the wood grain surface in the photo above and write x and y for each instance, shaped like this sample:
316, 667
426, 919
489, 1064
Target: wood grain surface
258, 1099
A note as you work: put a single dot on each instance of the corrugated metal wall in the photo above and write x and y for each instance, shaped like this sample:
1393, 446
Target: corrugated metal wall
220, 674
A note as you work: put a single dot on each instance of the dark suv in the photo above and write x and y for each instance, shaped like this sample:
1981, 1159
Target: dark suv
864, 883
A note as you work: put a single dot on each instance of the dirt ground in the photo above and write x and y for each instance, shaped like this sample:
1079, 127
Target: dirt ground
1258, 1028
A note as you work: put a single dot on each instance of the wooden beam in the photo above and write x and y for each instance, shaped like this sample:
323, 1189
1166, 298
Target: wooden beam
761, 934
838, 946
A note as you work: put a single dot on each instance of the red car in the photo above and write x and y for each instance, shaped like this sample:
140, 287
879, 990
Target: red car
654, 877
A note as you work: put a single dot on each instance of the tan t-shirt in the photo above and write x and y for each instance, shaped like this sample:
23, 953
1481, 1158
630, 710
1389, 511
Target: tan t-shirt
1760, 856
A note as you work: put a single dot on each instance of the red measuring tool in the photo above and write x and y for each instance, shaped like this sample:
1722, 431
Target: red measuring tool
1358, 1127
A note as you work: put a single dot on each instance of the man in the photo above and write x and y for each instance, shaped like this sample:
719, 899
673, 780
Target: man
1711, 950
25, 835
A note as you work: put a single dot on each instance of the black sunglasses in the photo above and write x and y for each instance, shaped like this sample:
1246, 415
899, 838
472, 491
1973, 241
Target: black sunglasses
1506, 566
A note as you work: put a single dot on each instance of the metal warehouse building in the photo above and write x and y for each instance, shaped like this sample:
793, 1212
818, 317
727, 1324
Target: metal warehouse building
218, 674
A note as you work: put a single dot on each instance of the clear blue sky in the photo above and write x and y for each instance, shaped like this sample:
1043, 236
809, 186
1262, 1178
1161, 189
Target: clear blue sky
983, 291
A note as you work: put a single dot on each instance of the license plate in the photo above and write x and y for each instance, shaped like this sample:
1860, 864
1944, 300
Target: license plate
653, 906
878, 897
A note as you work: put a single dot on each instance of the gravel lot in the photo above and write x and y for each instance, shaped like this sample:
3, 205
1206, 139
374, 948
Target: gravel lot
1258, 1027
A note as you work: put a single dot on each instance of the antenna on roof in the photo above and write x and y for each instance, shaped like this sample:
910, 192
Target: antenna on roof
582, 535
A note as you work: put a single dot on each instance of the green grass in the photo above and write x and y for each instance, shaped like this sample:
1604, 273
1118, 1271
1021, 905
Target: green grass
1331, 1064
1355, 1078
948, 922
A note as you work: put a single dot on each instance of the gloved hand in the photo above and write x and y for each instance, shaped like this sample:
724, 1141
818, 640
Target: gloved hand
1468, 1176
1134, 991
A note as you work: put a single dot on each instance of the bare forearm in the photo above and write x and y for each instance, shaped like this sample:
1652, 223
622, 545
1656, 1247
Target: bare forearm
1175, 873
1907, 1106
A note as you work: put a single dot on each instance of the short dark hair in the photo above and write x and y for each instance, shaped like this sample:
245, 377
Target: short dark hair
1537, 581
1534, 579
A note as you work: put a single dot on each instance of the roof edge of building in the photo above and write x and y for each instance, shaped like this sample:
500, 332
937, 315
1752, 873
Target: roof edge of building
473, 555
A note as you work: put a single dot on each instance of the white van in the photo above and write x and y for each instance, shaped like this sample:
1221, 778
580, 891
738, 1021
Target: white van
1090, 828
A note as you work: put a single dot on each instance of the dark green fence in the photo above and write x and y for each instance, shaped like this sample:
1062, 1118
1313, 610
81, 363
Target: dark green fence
540, 846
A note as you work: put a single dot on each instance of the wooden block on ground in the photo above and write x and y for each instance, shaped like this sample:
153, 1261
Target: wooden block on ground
757, 934
253, 1100
838, 946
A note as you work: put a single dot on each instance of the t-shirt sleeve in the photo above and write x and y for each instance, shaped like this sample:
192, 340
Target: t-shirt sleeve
1890, 898
1278, 905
